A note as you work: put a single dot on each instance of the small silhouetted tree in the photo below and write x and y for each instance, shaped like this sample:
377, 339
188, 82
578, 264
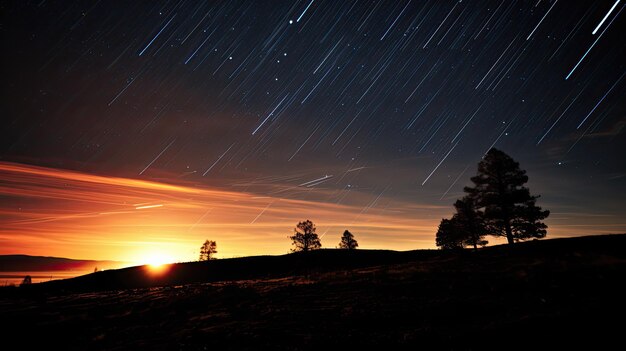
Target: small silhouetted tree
27, 280
347, 241
304, 237
448, 236
509, 209
207, 250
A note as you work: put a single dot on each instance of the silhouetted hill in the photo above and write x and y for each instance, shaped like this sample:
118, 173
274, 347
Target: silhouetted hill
26, 263
559, 293
253, 267
319, 261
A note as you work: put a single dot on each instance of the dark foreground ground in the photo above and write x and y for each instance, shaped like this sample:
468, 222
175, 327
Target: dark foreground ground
562, 294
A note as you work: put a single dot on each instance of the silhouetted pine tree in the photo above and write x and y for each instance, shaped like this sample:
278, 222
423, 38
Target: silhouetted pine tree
347, 241
304, 237
509, 209
207, 250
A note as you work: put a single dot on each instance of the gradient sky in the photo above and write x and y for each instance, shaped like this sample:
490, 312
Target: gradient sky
134, 129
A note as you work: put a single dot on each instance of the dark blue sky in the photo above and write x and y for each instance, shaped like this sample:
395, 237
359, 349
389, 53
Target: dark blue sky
393, 100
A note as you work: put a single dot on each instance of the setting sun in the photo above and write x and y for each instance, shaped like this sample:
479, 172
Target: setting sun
156, 260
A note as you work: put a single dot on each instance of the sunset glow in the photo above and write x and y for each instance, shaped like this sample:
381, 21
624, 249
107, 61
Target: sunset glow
157, 268
72, 214
134, 128
156, 259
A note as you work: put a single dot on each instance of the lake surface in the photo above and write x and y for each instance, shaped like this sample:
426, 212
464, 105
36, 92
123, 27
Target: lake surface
8, 278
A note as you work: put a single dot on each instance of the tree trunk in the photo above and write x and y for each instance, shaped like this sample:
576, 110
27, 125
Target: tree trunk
509, 233
475, 241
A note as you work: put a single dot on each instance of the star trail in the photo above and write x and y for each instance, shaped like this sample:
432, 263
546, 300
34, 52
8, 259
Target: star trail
376, 107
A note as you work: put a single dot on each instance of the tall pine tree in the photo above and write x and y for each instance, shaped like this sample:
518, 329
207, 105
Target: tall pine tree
509, 209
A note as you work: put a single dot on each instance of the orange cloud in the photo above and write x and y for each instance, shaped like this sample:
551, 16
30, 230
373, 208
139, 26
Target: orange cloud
66, 213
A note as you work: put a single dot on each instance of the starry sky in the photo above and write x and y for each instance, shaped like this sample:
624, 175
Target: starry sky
137, 127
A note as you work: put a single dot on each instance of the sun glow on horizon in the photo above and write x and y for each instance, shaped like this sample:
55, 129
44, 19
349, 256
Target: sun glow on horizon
157, 268
157, 262
156, 259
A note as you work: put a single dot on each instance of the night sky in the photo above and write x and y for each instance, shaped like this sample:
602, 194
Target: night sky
361, 115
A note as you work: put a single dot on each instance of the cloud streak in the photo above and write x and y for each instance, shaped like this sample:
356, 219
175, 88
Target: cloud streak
67, 213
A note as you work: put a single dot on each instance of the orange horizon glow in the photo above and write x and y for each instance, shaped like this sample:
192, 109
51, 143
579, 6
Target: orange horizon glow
55, 212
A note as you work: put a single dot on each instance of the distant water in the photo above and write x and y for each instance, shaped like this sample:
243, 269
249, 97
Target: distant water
16, 278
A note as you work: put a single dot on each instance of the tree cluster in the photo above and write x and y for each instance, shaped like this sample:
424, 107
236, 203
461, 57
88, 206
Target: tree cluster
497, 204
305, 238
